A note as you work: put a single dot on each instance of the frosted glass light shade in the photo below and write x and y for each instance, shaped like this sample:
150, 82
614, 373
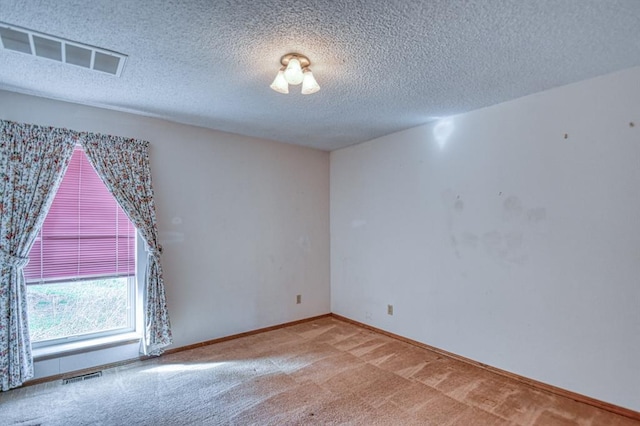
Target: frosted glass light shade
309, 83
280, 84
293, 72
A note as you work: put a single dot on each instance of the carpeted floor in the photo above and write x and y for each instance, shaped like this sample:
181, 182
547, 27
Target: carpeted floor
320, 372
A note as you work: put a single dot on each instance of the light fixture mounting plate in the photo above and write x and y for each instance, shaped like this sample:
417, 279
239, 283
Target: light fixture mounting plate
304, 61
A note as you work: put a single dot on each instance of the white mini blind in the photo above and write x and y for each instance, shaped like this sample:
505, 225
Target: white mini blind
85, 234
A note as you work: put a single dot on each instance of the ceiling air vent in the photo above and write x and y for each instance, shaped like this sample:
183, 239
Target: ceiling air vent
58, 49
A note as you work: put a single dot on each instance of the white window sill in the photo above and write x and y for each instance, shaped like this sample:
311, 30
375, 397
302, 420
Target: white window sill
63, 349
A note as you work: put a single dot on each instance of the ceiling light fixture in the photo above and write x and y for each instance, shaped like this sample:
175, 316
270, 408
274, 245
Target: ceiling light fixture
295, 70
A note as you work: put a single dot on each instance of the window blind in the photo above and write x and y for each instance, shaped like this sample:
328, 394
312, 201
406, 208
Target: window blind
85, 234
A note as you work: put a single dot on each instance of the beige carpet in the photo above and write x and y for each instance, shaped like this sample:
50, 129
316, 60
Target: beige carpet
320, 372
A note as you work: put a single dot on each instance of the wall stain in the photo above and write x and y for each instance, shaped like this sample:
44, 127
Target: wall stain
536, 215
305, 243
512, 208
470, 239
505, 244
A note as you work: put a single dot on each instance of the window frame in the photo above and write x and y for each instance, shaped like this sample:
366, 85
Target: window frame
45, 350
92, 340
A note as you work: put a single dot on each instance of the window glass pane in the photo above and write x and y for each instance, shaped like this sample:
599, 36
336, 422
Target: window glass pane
71, 309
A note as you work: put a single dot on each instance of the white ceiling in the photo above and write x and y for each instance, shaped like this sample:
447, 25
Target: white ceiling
383, 65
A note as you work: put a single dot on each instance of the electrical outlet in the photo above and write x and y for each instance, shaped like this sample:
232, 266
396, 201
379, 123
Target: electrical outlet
298, 299
390, 309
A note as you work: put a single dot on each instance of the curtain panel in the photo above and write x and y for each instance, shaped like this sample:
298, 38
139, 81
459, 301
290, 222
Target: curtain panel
33, 160
123, 165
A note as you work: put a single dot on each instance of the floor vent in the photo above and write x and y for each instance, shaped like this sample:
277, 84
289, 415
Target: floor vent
58, 49
82, 378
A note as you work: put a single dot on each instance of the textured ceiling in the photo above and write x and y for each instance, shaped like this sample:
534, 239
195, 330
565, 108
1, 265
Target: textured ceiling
383, 65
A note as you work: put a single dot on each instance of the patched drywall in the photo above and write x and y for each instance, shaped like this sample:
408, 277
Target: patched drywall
508, 235
244, 222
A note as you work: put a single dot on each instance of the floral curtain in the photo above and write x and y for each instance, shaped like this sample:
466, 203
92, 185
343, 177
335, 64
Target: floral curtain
123, 164
33, 160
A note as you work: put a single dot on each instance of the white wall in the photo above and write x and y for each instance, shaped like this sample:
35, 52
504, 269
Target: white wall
496, 238
244, 222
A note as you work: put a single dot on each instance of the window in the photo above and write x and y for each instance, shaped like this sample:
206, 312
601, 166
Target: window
81, 271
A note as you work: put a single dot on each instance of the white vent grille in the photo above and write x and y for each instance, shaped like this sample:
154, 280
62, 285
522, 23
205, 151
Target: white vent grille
58, 49
82, 378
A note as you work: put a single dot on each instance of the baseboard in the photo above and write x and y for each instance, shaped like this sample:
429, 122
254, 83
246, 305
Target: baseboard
525, 380
245, 334
168, 351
